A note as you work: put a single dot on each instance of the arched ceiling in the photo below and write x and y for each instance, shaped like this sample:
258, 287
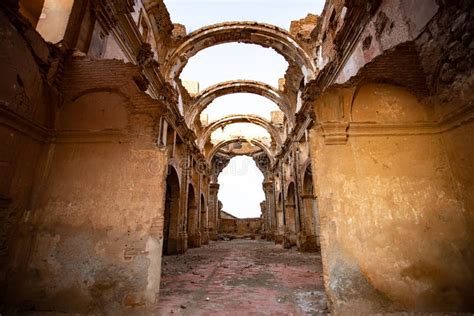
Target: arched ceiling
254, 119
201, 101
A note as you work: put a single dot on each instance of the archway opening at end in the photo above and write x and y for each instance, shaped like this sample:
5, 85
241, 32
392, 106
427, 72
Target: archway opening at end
241, 189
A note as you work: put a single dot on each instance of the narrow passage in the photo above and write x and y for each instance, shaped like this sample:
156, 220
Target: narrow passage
242, 277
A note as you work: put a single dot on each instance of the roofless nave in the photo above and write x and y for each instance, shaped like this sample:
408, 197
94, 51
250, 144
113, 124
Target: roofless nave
106, 164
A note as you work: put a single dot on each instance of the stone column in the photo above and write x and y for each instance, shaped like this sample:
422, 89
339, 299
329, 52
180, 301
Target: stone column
290, 236
280, 223
263, 217
279, 232
182, 240
269, 210
204, 226
213, 211
309, 237
194, 236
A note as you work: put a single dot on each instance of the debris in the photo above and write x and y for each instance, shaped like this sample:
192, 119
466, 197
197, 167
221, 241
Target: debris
207, 299
183, 306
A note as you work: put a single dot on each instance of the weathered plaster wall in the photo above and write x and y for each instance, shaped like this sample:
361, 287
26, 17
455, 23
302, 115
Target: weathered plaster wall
92, 241
394, 211
99, 226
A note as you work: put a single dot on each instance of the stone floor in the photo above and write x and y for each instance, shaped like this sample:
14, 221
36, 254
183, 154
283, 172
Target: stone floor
242, 277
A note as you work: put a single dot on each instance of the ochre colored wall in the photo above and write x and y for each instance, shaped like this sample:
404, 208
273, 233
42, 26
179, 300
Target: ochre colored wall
99, 221
393, 210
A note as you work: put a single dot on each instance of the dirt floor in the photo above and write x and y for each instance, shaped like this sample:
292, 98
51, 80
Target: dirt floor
242, 277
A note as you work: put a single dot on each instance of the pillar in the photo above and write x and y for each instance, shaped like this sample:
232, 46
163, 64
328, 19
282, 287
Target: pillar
269, 210
290, 237
204, 224
309, 239
213, 210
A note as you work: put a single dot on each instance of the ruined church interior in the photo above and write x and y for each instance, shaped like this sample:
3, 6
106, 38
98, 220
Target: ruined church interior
113, 158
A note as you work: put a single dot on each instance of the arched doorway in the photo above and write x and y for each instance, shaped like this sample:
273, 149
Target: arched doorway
310, 214
290, 216
192, 223
170, 227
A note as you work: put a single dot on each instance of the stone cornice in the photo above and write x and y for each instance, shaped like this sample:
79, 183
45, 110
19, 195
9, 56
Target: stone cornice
335, 133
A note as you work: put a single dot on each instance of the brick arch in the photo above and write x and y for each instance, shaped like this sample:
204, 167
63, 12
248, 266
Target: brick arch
261, 34
206, 97
239, 118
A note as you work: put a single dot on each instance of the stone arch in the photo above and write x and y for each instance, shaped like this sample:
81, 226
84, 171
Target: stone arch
261, 34
171, 216
193, 218
239, 118
202, 100
386, 103
252, 141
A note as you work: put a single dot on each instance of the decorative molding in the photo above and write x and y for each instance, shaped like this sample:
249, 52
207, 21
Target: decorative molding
335, 133
142, 82
145, 54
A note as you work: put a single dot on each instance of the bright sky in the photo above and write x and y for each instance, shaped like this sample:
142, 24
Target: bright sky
241, 186
240, 103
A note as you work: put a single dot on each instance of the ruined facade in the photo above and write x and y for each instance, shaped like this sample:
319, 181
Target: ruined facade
105, 165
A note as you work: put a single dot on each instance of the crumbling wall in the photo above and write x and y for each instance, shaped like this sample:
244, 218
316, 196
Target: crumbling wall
99, 219
395, 22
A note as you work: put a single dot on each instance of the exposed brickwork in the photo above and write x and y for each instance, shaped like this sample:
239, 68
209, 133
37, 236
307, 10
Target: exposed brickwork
86, 75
